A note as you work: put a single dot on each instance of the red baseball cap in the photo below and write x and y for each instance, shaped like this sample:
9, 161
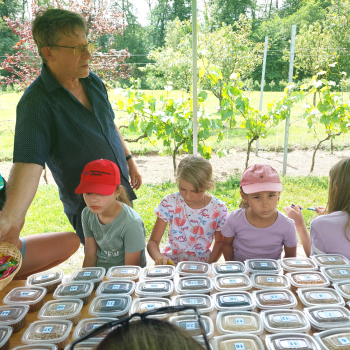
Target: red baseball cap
259, 178
99, 176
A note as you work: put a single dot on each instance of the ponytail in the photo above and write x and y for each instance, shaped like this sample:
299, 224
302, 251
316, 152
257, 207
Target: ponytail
123, 197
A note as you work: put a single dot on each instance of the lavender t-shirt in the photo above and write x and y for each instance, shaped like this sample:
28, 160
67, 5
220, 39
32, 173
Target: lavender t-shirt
327, 234
251, 242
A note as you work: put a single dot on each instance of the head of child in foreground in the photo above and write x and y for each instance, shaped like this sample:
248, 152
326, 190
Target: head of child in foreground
149, 334
260, 190
339, 187
101, 186
194, 176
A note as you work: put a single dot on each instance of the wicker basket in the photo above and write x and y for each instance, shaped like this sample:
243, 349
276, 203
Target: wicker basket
10, 249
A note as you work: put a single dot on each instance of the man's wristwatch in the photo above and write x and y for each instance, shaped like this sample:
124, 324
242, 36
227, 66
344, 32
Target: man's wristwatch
128, 157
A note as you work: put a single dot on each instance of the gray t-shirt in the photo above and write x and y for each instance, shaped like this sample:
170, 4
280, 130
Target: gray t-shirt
126, 233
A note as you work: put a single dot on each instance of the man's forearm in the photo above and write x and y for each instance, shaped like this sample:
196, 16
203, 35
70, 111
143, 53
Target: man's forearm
228, 252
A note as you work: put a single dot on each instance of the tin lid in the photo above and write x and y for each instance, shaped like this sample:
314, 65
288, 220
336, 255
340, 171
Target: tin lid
289, 341
160, 287
328, 316
110, 306
265, 280
330, 260
128, 272
191, 324
159, 271
228, 322
262, 265
141, 305
54, 331
29, 295
319, 296
46, 278
194, 284
204, 303
285, 321
73, 290
189, 268
237, 342
228, 267
85, 345
117, 286
36, 346
343, 288
308, 279
5, 334
334, 339
238, 281
12, 314
237, 300
90, 274
60, 309
298, 264
336, 274
86, 325
275, 299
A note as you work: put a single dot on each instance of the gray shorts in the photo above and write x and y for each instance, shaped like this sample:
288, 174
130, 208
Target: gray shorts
23, 249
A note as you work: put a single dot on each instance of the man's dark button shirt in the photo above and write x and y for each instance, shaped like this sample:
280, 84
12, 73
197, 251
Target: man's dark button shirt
55, 128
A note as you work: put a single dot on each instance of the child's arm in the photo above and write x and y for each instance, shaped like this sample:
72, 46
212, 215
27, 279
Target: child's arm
290, 252
296, 214
154, 241
132, 258
217, 247
227, 248
90, 259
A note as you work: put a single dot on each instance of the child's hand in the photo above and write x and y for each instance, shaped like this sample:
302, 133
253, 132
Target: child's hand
320, 210
295, 213
161, 261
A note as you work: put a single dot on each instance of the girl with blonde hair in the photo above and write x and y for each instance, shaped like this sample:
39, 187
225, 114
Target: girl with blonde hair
194, 216
330, 231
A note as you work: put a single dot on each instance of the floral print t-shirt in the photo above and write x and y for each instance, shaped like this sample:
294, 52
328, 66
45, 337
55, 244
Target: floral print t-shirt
191, 231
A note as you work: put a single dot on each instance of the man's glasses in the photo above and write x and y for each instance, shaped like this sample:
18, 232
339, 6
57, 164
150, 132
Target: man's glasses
125, 321
80, 49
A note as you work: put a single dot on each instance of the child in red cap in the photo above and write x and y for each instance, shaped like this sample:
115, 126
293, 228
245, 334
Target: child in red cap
258, 229
114, 232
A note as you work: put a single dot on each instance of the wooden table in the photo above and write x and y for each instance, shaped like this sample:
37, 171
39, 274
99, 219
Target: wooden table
15, 339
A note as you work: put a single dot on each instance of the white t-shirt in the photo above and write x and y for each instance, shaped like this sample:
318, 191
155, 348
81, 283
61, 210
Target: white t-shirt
327, 234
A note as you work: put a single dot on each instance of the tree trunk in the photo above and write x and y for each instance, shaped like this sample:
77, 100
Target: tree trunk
248, 150
314, 102
174, 161
332, 146
45, 176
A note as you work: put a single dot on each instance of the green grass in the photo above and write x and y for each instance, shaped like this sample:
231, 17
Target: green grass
46, 212
299, 136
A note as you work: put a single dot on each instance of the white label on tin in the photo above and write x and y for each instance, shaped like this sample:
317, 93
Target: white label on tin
193, 267
239, 346
239, 320
110, 303
285, 318
60, 307
158, 271
47, 329
5, 313
331, 259
299, 262
124, 271
228, 267
293, 343
73, 288
193, 301
150, 306
270, 279
308, 278
344, 340
274, 297
190, 325
24, 294
87, 274
263, 264
233, 280
330, 314
95, 326
343, 272
321, 296
44, 277
116, 286
193, 283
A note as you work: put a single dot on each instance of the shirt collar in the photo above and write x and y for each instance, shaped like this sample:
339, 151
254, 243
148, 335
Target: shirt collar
51, 83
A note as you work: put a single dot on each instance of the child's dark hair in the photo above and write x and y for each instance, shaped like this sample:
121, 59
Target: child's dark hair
243, 205
123, 197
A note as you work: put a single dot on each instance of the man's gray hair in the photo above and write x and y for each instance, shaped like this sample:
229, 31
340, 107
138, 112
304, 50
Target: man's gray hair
48, 27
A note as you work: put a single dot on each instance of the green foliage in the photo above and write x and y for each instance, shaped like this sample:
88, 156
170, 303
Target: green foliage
169, 120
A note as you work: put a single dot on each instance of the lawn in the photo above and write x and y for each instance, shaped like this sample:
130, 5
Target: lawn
234, 138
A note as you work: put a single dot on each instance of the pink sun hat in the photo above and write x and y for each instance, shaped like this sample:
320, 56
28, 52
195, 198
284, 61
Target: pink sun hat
259, 178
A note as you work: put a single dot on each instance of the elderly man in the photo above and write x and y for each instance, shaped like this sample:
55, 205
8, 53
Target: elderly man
64, 119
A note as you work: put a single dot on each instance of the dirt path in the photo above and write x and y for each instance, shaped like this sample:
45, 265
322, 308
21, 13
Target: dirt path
155, 169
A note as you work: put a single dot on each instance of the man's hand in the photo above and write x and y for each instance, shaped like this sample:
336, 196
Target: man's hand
135, 176
9, 232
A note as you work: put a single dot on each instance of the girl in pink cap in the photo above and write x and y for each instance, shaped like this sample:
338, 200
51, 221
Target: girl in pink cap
258, 229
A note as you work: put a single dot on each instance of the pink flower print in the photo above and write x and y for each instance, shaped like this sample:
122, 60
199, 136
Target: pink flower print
175, 252
198, 230
213, 225
167, 250
191, 254
216, 213
179, 220
176, 245
193, 239
208, 246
